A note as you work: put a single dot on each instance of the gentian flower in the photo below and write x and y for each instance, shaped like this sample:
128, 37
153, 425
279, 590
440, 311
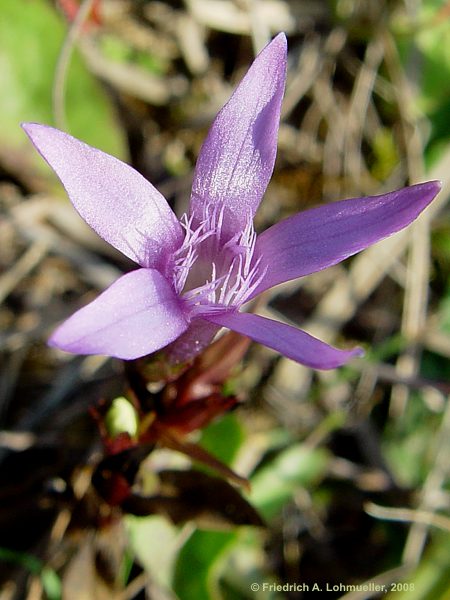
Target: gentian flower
197, 272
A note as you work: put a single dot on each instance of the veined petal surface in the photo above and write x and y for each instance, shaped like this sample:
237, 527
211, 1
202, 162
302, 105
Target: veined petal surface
289, 341
113, 198
137, 315
320, 237
238, 155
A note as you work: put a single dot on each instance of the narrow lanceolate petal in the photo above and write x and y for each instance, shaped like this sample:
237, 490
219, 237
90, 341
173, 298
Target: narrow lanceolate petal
114, 199
237, 157
289, 341
137, 315
323, 236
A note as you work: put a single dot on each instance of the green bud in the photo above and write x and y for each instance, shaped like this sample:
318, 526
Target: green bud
121, 418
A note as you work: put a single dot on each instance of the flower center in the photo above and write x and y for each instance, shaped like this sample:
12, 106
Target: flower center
211, 274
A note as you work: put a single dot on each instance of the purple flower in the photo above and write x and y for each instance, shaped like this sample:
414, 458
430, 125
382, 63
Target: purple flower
197, 272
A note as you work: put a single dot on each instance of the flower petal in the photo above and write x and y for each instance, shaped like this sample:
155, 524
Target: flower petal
237, 157
289, 341
323, 236
113, 198
196, 338
138, 314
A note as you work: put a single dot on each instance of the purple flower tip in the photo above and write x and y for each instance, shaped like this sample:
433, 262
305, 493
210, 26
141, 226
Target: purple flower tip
195, 273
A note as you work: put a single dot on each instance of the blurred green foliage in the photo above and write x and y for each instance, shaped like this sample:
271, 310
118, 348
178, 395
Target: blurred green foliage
50, 581
31, 37
424, 46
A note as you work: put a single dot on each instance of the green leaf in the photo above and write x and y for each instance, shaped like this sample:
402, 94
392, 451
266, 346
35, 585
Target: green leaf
51, 582
31, 37
297, 466
430, 581
407, 443
424, 46
245, 573
155, 543
223, 438
200, 564
444, 312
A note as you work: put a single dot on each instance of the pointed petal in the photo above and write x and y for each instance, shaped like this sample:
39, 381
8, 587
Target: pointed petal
237, 157
113, 198
289, 341
138, 314
323, 236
